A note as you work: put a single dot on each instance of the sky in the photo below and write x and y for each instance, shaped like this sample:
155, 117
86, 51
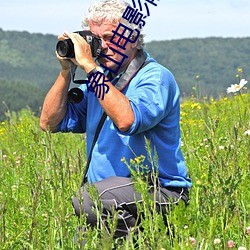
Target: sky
170, 19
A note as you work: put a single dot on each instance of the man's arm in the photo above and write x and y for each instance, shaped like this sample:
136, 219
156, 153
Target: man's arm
55, 103
115, 104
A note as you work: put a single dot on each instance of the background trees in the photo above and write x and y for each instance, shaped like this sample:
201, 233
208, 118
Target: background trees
202, 67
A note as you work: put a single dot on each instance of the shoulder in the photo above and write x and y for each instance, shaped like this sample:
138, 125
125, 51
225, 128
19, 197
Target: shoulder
156, 72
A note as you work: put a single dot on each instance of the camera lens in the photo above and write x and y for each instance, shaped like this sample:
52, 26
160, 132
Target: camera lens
65, 48
75, 95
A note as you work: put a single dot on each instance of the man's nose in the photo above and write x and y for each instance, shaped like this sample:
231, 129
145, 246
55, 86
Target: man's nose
104, 44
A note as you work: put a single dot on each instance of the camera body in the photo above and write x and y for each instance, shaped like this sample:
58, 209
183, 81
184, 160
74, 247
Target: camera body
65, 48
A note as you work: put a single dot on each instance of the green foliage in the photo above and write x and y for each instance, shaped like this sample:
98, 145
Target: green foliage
28, 68
208, 62
14, 95
40, 172
28, 57
203, 67
36, 184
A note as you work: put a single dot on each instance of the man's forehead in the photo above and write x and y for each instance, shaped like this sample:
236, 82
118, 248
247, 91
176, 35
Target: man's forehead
104, 28
103, 22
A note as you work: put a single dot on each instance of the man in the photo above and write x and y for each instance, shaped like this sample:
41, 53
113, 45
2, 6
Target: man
146, 107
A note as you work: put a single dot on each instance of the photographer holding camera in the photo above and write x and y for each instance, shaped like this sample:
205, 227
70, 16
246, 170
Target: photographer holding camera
142, 103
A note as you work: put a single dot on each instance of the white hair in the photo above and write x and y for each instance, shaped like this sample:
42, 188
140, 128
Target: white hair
111, 11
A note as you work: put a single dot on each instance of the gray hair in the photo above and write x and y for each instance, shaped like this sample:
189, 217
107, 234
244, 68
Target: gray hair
111, 11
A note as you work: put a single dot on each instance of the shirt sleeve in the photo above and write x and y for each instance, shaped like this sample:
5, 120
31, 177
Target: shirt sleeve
75, 118
152, 98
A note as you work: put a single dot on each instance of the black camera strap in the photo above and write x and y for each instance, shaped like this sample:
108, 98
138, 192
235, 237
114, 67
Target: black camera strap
136, 64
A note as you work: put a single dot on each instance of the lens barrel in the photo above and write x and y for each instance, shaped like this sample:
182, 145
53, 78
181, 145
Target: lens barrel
65, 48
75, 95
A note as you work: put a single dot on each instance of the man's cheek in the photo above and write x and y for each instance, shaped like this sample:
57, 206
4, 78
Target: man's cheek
118, 45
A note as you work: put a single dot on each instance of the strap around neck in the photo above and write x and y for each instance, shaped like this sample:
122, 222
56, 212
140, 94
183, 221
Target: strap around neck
131, 70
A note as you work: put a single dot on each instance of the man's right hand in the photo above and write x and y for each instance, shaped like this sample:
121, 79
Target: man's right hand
66, 63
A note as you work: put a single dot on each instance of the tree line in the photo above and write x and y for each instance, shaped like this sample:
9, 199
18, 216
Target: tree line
202, 67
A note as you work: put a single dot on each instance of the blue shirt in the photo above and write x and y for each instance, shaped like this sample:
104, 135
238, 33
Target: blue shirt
154, 97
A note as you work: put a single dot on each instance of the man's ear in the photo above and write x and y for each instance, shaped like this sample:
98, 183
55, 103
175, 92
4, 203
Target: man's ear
133, 45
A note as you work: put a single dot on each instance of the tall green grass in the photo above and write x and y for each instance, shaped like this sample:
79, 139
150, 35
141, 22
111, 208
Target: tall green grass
40, 172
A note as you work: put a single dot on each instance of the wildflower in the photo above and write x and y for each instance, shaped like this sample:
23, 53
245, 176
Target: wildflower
45, 216
132, 162
247, 133
240, 70
237, 87
242, 248
248, 230
14, 188
137, 159
230, 244
22, 210
192, 240
198, 182
221, 147
195, 106
216, 241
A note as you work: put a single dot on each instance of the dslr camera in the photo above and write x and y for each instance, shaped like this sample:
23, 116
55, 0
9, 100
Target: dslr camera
65, 48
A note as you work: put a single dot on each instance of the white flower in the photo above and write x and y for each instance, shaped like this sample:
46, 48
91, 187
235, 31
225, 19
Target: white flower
247, 133
22, 210
237, 87
242, 248
217, 241
192, 240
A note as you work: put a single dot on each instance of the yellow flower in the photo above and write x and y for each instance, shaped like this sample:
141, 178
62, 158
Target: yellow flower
132, 162
240, 70
138, 160
195, 105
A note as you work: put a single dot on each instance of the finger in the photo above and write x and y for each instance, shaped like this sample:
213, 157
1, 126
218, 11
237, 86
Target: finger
75, 37
69, 34
66, 59
59, 57
62, 36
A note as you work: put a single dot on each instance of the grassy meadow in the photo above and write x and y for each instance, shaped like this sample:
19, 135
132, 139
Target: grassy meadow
40, 172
